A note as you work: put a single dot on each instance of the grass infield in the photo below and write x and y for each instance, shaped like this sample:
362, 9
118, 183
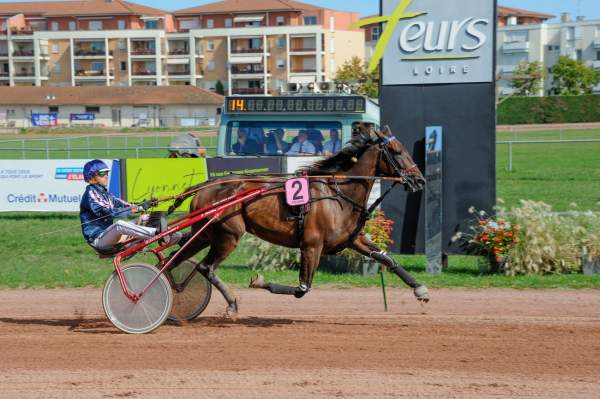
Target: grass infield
41, 250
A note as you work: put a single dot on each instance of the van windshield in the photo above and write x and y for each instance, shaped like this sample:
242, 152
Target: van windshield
283, 138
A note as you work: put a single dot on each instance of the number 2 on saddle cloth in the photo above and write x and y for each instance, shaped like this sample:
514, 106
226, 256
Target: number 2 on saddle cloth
297, 196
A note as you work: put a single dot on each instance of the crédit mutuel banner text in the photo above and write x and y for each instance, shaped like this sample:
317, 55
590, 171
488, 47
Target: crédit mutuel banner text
42, 185
433, 41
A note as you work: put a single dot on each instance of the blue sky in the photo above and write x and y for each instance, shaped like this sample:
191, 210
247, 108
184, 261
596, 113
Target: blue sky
589, 8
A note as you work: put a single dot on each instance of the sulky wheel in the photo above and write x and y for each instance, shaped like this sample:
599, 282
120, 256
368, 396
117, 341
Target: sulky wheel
191, 292
149, 312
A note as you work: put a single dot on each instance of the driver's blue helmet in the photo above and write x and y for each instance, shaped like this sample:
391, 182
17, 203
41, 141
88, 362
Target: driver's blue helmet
92, 167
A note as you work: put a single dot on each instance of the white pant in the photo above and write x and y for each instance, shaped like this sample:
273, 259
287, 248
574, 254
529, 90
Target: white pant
113, 234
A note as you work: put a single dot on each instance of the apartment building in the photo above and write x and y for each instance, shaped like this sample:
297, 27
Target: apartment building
506, 16
578, 39
251, 47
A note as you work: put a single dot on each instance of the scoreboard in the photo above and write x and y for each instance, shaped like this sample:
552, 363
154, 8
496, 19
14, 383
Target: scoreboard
314, 104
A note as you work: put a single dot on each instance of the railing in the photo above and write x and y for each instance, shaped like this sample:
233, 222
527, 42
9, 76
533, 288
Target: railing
4, 54
299, 70
143, 52
511, 143
247, 50
25, 74
298, 49
239, 71
94, 73
87, 53
4, 74
144, 73
248, 91
179, 52
178, 73
23, 53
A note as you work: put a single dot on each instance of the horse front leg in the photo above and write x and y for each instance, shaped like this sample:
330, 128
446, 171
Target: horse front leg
365, 247
309, 261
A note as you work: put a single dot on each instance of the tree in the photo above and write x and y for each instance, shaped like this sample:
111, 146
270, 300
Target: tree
355, 71
527, 78
219, 89
573, 77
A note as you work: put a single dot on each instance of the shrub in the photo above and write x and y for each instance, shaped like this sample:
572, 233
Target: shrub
378, 229
551, 242
552, 109
265, 256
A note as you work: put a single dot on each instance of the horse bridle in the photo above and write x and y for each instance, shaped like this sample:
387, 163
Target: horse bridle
404, 174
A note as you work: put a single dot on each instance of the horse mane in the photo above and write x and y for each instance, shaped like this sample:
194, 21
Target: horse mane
343, 160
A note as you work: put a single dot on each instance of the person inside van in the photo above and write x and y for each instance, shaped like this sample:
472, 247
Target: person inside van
334, 145
245, 145
302, 146
275, 144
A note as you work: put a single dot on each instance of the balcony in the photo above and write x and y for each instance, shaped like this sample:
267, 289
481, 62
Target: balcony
515, 47
23, 53
92, 53
247, 90
143, 52
83, 73
236, 69
597, 43
178, 73
25, 74
179, 51
3, 54
247, 50
303, 70
303, 49
4, 75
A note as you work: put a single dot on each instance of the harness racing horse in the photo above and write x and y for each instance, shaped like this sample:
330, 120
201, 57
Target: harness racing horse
337, 214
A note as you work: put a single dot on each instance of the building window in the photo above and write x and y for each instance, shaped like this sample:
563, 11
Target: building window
123, 65
92, 110
280, 20
210, 66
597, 55
375, 33
511, 20
310, 20
151, 24
579, 54
56, 68
97, 66
187, 24
210, 46
280, 42
54, 26
122, 45
121, 24
210, 23
280, 63
53, 109
95, 25
55, 49
228, 22
72, 25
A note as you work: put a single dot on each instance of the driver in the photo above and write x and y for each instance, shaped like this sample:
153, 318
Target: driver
98, 207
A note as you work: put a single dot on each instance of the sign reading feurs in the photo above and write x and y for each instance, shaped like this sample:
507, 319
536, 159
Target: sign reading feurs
434, 41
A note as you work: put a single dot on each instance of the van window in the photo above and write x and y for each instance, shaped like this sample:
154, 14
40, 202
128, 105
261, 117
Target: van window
282, 138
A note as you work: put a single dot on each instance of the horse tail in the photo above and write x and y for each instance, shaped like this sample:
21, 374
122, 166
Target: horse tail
182, 197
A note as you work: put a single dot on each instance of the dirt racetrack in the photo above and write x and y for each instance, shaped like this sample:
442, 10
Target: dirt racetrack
332, 343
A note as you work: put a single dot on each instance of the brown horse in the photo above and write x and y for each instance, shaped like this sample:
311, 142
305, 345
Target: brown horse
334, 221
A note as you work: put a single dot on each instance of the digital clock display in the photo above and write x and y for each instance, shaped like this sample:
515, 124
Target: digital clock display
276, 105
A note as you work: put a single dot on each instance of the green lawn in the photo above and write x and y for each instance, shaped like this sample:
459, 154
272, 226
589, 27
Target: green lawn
42, 250
558, 174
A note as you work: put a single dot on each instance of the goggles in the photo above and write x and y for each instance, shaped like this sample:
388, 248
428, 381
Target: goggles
103, 173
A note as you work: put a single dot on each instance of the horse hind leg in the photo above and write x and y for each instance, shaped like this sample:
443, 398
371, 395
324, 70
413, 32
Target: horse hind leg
221, 247
309, 262
365, 247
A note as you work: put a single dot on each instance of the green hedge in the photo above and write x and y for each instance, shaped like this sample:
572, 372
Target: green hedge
552, 109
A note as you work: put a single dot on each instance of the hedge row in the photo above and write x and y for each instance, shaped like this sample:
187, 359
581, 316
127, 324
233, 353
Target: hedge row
551, 109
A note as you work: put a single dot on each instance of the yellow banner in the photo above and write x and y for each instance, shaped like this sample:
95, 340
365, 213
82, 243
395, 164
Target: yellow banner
156, 178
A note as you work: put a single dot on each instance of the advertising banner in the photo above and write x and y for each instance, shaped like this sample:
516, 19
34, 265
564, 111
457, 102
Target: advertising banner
82, 117
42, 185
433, 42
220, 167
156, 178
44, 119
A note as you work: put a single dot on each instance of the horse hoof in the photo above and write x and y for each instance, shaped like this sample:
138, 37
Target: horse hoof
232, 311
422, 293
257, 282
